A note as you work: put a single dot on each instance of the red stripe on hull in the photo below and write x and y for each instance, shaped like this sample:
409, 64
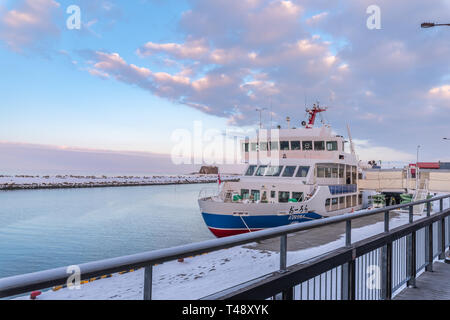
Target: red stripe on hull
220, 233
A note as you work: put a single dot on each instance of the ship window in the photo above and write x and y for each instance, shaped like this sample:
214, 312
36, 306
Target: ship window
244, 193
342, 200
288, 171
254, 146
250, 170
284, 145
348, 201
327, 204
307, 145
360, 198
261, 170
274, 145
297, 196
334, 204
273, 171
245, 147
334, 172
320, 172
354, 174
302, 172
341, 171
273, 194
264, 197
263, 146
327, 172
254, 195
283, 196
319, 145
332, 145
295, 145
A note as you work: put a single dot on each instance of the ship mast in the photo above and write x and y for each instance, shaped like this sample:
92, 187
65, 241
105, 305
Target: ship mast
312, 115
352, 147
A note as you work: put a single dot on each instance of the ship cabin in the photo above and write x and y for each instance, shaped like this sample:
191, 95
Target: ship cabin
292, 166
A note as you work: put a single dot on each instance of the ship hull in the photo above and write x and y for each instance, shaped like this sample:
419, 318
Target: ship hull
224, 225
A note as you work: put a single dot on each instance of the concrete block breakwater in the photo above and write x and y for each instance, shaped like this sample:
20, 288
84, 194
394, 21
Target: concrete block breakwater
20, 182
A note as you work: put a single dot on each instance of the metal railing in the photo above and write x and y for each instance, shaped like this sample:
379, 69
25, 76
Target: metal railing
340, 274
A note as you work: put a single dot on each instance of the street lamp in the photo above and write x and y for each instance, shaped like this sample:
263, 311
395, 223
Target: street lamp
417, 168
432, 24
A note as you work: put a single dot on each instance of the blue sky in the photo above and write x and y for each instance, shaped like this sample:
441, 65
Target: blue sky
138, 70
46, 99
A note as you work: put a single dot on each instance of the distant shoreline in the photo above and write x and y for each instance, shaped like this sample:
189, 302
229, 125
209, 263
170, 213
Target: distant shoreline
11, 183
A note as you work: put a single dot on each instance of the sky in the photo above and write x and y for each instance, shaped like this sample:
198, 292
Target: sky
136, 72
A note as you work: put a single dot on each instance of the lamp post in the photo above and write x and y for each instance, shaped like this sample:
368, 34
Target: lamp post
431, 25
417, 168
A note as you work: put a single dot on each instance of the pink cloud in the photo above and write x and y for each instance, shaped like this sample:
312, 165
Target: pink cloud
29, 24
192, 49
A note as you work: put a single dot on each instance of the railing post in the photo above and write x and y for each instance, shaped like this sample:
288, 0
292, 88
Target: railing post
348, 278
148, 282
411, 253
386, 221
352, 279
429, 242
344, 282
288, 294
442, 231
386, 271
412, 260
348, 269
348, 233
429, 248
283, 252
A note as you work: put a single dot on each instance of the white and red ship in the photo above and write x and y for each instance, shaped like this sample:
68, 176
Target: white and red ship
293, 175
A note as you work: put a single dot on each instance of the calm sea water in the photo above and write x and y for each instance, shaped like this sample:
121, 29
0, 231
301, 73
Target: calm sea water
42, 229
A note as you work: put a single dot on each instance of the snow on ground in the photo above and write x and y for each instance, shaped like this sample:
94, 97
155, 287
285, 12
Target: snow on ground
70, 181
206, 274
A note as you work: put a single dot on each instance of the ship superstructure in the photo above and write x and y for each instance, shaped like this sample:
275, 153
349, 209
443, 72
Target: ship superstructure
293, 175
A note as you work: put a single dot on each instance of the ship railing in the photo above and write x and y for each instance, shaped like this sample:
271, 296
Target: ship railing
399, 255
214, 194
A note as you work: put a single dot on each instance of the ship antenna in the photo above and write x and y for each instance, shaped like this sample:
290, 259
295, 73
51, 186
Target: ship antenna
260, 110
352, 147
271, 115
